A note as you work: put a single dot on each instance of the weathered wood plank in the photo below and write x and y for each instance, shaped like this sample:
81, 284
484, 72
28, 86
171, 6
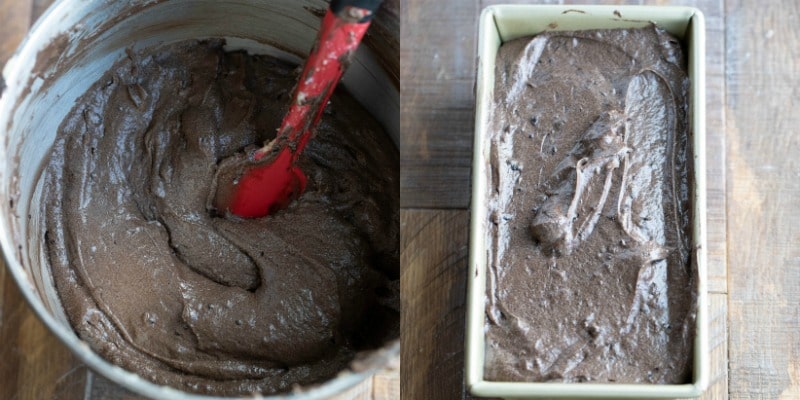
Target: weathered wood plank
437, 74
763, 88
35, 364
434, 257
718, 346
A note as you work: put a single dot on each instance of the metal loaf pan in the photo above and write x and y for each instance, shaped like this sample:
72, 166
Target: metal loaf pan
502, 23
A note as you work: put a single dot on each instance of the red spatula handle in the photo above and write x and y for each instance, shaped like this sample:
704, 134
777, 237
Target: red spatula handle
271, 185
342, 29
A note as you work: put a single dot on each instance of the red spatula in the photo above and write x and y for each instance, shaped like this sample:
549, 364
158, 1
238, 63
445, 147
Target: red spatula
272, 180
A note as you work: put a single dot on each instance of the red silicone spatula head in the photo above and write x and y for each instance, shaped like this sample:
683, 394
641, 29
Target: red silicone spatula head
271, 180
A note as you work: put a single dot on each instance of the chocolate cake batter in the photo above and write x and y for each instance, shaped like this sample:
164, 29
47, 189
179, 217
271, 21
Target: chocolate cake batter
590, 278
155, 282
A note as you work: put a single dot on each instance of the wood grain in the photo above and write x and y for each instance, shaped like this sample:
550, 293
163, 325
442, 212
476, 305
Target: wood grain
718, 346
763, 95
30, 354
434, 256
35, 365
437, 75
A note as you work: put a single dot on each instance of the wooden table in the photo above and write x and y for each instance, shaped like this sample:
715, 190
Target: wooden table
753, 194
33, 363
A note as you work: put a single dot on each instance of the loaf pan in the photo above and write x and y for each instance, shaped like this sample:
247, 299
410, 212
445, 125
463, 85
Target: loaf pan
503, 23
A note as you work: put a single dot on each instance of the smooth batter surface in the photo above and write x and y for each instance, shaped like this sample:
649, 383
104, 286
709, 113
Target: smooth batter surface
157, 284
590, 278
